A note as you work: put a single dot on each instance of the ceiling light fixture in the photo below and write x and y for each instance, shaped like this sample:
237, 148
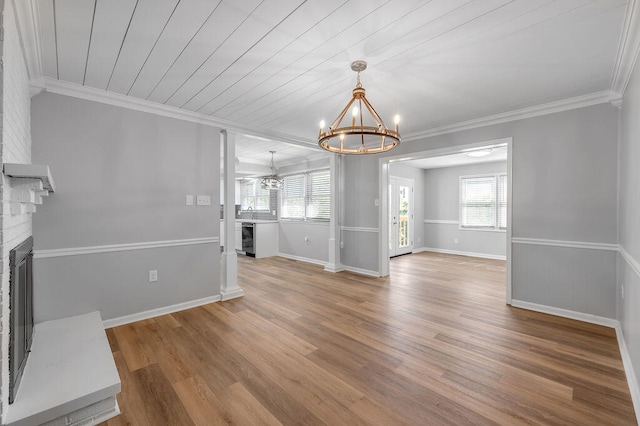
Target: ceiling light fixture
480, 152
362, 137
272, 181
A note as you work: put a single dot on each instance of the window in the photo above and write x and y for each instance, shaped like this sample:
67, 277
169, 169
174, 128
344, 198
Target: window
293, 197
483, 202
307, 196
254, 196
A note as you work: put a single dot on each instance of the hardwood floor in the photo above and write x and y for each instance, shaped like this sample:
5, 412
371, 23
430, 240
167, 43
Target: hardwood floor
432, 344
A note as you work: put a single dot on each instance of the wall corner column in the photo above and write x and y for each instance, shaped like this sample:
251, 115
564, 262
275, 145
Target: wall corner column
334, 264
229, 286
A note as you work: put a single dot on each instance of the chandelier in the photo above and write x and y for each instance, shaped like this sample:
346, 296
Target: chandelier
364, 136
272, 181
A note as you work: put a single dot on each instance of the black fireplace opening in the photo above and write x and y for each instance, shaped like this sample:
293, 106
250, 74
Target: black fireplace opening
21, 308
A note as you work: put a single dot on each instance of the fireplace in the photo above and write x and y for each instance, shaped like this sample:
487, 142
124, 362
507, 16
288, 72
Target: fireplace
21, 316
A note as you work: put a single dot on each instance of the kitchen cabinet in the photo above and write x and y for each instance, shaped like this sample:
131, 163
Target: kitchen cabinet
265, 237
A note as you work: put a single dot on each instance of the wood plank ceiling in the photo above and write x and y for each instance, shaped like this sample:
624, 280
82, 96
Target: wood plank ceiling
283, 65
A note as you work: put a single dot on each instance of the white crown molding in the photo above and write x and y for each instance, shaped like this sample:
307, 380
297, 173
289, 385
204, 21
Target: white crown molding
357, 229
27, 21
628, 49
114, 322
568, 244
77, 251
142, 105
518, 114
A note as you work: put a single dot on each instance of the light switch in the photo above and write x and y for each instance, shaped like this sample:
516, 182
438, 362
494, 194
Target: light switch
189, 200
203, 200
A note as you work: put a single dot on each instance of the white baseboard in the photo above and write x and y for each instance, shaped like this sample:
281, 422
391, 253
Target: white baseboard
333, 268
629, 371
361, 271
461, 253
566, 313
231, 294
114, 322
302, 259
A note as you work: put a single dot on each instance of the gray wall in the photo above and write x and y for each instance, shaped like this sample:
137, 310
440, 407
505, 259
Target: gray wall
564, 188
291, 233
122, 177
629, 218
418, 175
442, 202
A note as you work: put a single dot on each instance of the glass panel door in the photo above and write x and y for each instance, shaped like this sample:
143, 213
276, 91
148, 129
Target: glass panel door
400, 216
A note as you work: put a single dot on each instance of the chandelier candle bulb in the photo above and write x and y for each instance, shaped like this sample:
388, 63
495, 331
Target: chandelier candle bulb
396, 121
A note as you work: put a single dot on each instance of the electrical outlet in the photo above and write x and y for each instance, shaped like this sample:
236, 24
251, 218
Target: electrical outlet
455, 241
203, 200
622, 291
341, 244
153, 276
189, 200
306, 240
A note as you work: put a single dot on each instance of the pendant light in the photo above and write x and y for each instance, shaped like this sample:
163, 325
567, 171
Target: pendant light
272, 181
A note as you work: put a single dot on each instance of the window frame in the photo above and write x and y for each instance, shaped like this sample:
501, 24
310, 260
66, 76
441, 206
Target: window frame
496, 202
309, 195
256, 194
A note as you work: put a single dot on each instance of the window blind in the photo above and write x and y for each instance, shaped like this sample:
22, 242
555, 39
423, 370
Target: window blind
319, 195
293, 195
247, 193
478, 202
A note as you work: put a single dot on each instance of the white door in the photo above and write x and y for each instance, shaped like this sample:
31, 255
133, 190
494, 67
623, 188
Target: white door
400, 216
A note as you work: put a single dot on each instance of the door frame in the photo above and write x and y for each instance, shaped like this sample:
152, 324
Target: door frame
411, 184
383, 196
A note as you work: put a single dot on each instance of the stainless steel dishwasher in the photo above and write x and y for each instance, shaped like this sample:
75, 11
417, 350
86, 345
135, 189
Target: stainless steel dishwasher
249, 238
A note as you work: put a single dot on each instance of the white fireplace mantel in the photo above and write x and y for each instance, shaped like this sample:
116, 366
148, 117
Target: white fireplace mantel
28, 184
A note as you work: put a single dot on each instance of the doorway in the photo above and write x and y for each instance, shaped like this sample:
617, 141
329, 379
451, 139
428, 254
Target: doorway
400, 216
386, 197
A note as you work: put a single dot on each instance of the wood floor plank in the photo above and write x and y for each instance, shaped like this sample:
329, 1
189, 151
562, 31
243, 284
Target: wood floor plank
433, 343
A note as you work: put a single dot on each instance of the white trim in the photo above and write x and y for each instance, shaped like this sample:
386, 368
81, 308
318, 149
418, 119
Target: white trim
628, 50
629, 371
518, 114
114, 322
627, 364
566, 313
76, 251
116, 99
568, 244
358, 229
302, 259
361, 271
462, 253
442, 222
333, 268
27, 21
632, 263
231, 294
